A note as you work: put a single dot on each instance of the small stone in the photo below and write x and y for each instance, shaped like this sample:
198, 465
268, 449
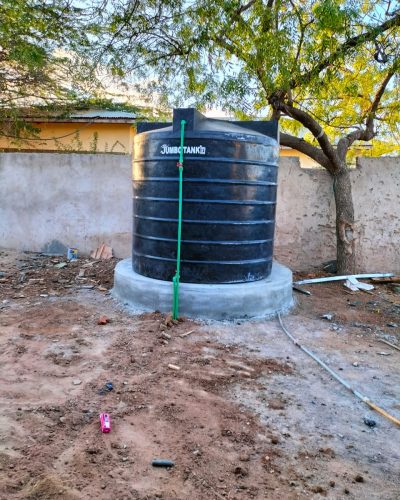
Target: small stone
77, 382
319, 489
332, 484
62, 419
327, 316
103, 486
240, 471
392, 325
103, 320
92, 451
174, 367
369, 421
359, 478
356, 364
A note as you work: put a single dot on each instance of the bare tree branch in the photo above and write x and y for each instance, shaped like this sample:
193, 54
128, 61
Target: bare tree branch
312, 125
305, 147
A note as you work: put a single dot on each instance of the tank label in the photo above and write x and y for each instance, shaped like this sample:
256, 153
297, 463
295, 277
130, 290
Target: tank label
175, 150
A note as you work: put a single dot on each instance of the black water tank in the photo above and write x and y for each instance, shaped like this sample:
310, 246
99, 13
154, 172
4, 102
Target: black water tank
229, 197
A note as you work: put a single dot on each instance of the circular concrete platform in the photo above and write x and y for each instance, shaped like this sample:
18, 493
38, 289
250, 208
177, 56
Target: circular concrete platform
258, 299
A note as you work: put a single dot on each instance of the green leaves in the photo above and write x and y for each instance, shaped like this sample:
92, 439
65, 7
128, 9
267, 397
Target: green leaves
29, 55
43, 57
332, 16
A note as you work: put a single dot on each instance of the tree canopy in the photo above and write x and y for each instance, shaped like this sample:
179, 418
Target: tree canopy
320, 65
41, 42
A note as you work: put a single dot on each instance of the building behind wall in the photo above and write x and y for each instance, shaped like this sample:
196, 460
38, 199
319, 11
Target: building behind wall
89, 131
95, 131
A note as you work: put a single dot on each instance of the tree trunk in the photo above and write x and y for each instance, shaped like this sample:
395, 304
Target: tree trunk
345, 224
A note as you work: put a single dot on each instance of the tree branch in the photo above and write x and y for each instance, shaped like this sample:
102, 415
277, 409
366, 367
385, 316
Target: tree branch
245, 7
312, 125
229, 47
347, 46
305, 147
378, 97
368, 132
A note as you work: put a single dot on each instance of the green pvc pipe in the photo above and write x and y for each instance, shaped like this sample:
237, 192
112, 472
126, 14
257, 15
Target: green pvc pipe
176, 278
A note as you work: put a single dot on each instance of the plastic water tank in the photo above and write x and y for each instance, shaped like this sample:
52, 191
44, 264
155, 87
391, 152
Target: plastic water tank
229, 198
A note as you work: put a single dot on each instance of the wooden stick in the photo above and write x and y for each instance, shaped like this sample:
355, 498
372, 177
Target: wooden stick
186, 333
389, 343
393, 279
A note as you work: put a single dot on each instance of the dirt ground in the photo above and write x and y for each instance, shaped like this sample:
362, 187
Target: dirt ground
242, 412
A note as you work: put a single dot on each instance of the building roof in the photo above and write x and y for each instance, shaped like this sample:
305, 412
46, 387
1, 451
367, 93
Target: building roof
104, 114
90, 115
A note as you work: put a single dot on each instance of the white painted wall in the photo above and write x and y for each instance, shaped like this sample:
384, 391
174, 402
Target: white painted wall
83, 200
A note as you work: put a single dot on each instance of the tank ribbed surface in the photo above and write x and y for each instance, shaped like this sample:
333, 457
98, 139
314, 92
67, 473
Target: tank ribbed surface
229, 197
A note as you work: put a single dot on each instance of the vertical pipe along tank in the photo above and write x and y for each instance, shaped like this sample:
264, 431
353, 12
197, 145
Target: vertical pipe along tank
229, 198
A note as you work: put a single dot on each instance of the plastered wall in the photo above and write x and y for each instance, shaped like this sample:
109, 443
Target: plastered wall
305, 229
51, 201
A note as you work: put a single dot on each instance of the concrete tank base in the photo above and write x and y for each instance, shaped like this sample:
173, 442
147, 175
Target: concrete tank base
258, 299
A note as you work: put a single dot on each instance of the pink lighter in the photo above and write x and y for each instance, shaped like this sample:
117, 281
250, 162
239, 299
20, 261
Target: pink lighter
105, 422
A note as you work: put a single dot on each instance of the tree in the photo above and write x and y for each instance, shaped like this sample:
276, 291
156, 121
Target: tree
327, 69
41, 66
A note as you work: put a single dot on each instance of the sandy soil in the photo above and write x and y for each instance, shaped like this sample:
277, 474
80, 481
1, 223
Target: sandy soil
246, 415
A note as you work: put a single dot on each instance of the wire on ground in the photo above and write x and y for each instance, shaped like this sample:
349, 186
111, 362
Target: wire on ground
360, 396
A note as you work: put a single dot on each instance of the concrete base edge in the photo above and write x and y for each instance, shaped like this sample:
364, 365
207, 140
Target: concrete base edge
259, 299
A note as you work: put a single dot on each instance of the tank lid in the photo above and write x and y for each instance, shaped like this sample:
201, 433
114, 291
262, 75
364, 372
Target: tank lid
197, 121
192, 117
